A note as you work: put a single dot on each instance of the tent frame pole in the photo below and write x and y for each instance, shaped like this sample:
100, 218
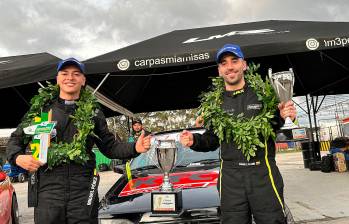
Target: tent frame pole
100, 84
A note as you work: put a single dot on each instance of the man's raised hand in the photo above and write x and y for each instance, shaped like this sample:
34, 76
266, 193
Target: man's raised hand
143, 143
287, 110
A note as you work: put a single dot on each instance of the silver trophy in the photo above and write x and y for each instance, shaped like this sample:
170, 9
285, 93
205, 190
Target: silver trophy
166, 153
283, 83
167, 201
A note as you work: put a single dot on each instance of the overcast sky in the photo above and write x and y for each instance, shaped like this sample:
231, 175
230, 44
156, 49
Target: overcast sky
88, 28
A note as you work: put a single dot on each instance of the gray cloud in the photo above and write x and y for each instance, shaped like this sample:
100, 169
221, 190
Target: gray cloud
88, 28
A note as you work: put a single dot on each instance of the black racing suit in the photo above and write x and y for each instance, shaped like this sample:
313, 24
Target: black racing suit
63, 192
245, 186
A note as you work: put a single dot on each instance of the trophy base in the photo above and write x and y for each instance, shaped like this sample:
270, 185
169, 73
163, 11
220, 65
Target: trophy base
289, 124
295, 134
166, 203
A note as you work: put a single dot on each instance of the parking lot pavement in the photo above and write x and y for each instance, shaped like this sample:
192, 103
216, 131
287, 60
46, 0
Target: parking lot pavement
344, 220
313, 197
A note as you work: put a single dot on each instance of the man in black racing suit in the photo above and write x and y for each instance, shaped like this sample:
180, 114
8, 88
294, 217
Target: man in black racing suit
246, 187
67, 193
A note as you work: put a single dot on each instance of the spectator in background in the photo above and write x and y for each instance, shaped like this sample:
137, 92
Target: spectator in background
137, 128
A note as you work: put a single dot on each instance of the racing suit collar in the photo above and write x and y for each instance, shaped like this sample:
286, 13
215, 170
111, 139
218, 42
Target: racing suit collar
235, 92
66, 102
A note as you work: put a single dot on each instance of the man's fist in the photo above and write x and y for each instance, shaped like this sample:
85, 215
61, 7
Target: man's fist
287, 110
28, 162
187, 138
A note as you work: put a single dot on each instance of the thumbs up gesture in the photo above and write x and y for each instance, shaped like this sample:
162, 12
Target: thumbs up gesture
143, 143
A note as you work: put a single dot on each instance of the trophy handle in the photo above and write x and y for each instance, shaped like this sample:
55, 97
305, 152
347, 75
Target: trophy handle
291, 70
270, 72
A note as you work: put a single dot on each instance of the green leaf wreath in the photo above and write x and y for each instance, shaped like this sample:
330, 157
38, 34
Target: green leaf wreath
62, 152
245, 132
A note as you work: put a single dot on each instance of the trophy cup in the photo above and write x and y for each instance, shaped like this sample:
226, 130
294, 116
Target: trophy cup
282, 83
167, 201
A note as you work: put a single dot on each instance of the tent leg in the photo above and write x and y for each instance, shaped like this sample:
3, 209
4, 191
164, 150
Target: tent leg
316, 144
311, 142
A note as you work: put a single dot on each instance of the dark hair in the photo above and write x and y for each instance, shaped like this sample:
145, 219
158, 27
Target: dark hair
339, 142
136, 120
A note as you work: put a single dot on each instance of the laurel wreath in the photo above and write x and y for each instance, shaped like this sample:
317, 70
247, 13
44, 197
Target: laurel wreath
245, 132
62, 152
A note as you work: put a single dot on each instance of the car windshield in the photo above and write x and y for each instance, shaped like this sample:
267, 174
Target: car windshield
185, 156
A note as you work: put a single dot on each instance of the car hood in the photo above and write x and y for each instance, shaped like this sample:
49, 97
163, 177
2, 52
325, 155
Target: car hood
199, 190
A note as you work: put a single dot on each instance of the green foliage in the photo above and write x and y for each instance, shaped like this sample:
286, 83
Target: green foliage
63, 152
246, 133
40, 100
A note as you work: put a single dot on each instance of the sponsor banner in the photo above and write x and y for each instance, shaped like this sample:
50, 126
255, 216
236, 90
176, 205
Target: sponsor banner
125, 64
334, 42
197, 179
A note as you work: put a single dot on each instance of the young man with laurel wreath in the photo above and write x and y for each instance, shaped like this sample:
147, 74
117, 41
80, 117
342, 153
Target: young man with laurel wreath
65, 189
241, 116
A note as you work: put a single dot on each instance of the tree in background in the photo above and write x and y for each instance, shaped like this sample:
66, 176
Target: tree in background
155, 121
118, 124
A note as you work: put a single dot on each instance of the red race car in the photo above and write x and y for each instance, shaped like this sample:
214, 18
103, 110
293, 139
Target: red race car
8, 201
